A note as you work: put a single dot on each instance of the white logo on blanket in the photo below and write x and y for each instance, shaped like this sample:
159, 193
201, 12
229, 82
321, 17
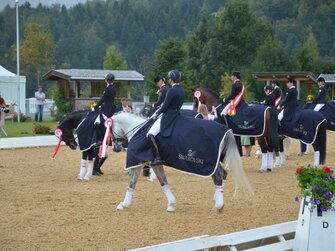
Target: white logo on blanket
190, 157
246, 125
300, 129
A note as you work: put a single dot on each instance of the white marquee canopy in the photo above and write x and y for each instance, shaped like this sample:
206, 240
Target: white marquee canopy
9, 88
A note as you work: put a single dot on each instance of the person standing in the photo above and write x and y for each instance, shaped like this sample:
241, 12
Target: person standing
40, 98
107, 105
170, 110
202, 109
163, 88
3, 102
320, 99
290, 102
124, 106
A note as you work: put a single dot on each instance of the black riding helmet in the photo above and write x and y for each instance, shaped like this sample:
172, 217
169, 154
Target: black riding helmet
275, 82
268, 87
174, 75
110, 77
320, 79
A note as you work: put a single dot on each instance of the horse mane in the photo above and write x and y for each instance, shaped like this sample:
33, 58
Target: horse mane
67, 116
133, 113
214, 93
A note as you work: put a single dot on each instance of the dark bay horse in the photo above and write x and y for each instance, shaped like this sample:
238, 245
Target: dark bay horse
210, 98
68, 124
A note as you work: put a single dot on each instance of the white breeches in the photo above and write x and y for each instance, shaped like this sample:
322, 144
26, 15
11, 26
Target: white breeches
281, 115
155, 128
318, 107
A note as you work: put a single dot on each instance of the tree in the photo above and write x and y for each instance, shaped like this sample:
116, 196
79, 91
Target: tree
308, 54
114, 60
37, 52
198, 60
170, 55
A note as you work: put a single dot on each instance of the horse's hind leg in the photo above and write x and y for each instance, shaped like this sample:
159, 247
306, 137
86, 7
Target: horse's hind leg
219, 177
159, 171
135, 173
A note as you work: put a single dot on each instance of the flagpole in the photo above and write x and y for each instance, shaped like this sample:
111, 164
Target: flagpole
18, 61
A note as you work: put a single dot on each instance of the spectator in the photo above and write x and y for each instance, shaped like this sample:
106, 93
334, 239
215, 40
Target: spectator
40, 98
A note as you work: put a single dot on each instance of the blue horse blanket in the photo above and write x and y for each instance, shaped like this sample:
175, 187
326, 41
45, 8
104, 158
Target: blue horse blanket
303, 126
87, 135
194, 146
249, 119
328, 111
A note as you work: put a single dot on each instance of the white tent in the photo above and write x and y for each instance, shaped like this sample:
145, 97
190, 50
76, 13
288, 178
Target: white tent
9, 88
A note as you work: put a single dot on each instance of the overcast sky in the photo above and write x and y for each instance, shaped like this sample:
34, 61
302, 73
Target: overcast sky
34, 3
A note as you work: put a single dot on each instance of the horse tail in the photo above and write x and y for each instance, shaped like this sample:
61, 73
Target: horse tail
234, 162
322, 141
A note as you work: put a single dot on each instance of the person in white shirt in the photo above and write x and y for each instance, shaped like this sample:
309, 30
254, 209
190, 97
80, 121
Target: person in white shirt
40, 98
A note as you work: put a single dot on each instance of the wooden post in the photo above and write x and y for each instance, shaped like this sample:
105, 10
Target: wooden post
128, 90
298, 88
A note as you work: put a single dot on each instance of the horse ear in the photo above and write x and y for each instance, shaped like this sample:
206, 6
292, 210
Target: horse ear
193, 90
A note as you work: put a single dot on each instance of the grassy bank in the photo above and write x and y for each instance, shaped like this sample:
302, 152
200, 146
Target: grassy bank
24, 129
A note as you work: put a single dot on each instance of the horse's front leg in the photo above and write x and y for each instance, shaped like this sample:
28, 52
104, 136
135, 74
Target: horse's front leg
219, 178
135, 173
159, 171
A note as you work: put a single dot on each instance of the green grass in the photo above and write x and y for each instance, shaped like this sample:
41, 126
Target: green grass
25, 129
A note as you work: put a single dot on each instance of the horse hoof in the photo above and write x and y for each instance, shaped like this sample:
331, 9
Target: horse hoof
170, 208
96, 173
87, 177
219, 210
122, 206
80, 177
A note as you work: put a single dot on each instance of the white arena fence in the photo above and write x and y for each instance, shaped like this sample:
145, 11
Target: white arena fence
277, 237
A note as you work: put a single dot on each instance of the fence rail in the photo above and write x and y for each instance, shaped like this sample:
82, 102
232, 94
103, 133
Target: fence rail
277, 237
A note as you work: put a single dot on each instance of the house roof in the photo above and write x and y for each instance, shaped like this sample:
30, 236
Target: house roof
329, 78
91, 75
305, 77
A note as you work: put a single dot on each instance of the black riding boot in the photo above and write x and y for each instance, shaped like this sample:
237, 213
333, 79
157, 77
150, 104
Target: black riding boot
157, 158
99, 134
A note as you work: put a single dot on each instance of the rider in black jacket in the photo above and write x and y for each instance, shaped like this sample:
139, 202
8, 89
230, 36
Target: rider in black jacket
106, 103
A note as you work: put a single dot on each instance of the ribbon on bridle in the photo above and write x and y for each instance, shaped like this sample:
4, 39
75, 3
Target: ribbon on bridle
59, 134
107, 138
231, 111
197, 95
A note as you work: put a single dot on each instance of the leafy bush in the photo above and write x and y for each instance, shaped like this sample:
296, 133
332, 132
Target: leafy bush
42, 129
